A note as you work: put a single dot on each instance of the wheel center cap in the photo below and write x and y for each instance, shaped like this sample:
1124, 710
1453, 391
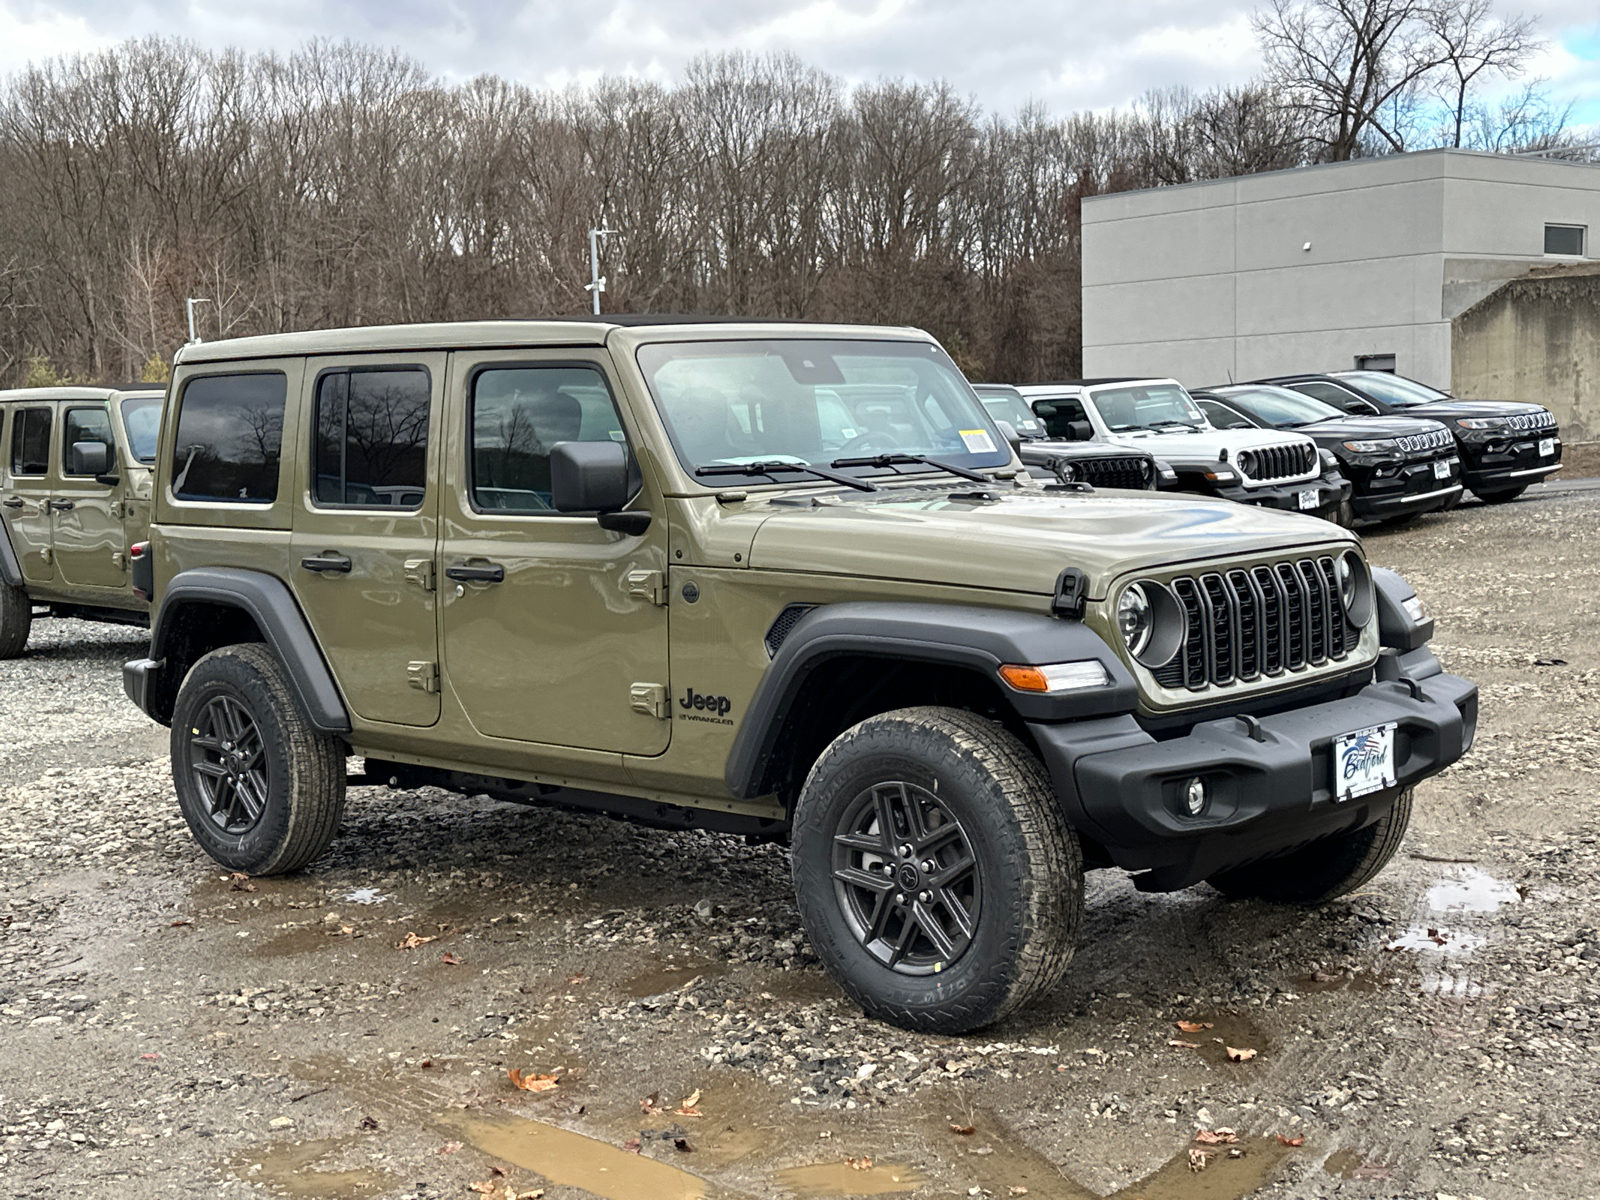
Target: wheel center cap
909, 878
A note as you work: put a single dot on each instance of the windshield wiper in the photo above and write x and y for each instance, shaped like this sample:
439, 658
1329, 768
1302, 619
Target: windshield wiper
889, 460
1167, 424
775, 465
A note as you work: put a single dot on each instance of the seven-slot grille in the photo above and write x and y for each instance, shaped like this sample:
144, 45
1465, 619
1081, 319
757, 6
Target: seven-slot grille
1278, 462
1530, 421
1121, 471
1249, 622
1439, 439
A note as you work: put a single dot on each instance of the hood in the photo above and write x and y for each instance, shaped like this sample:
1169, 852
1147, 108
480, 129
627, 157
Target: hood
1019, 541
1328, 433
1204, 445
1043, 448
1454, 410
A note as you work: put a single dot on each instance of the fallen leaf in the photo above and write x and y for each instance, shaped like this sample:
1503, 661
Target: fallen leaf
687, 1108
178, 922
631, 1145
483, 1187
369, 1123
683, 1144
1183, 1044
530, 1082
451, 960
1016, 1190
448, 1148
1216, 1137
580, 977
1294, 1141
536, 1194
1199, 1158
149, 1057
859, 1164
240, 882
411, 941
964, 1130
1237, 1055
651, 1103
425, 1063
1194, 1026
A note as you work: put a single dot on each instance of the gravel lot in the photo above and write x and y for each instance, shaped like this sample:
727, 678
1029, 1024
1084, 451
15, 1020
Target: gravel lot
347, 1032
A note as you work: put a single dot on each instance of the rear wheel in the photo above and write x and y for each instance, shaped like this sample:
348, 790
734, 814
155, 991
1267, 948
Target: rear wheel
16, 619
261, 788
935, 876
1343, 514
1328, 867
1501, 497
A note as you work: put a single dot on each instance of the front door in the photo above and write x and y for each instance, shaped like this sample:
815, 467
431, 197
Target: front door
555, 629
88, 533
366, 529
26, 504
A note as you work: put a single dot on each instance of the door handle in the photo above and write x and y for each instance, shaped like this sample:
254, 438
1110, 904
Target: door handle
12, 502
488, 573
60, 505
328, 564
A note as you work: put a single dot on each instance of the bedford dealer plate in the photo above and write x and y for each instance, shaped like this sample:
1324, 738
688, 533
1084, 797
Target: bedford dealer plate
1308, 499
1547, 447
1441, 468
1363, 762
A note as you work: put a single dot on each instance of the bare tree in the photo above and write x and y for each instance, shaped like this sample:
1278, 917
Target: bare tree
1472, 45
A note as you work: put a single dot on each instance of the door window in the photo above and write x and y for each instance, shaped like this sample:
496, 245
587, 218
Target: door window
517, 414
230, 438
1222, 416
1332, 393
30, 442
372, 437
86, 425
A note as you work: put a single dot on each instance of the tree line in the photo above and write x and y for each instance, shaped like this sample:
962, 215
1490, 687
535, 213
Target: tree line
345, 185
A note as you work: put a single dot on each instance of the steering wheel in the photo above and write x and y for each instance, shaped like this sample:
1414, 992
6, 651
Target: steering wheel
864, 443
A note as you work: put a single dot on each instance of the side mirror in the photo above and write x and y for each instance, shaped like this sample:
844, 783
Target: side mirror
1012, 437
90, 458
1081, 431
595, 477
1359, 408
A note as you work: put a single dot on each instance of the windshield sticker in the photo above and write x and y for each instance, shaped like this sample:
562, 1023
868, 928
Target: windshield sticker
977, 441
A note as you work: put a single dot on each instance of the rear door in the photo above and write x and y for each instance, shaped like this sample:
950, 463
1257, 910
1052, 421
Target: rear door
26, 505
366, 529
88, 536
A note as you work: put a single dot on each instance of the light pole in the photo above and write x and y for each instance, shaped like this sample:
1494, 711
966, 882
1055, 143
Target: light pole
188, 306
597, 283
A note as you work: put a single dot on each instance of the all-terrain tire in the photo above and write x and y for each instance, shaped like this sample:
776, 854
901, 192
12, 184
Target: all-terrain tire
1343, 515
16, 619
1028, 866
298, 771
1501, 497
1327, 868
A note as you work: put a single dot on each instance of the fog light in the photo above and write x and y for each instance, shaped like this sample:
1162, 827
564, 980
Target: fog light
1194, 796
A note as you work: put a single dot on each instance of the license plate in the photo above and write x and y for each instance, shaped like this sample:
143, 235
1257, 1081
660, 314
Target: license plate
1363, 762
1441, 469
1547, 447
1308, 499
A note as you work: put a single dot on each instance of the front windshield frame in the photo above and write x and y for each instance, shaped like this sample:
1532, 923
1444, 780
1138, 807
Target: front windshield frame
1311, 408
1185, 406
1395, 390
132, 410
728, 409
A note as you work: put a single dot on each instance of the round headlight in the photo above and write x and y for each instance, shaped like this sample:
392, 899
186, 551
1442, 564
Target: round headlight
1355, 588
1133, 618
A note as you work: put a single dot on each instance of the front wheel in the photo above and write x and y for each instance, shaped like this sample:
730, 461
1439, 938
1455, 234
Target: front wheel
935, 876
1329, 867
16, 618
261, 788
1504, 496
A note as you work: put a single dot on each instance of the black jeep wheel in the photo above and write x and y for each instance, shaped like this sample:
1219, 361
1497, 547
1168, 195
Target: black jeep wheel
935, 877
1327, 868
261, 788
1504, 496
16, 618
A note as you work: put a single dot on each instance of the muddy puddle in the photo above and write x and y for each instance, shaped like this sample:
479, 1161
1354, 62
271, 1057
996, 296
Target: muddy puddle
1341, 981
851, 1177
1471, 891
1223, 1030
291, 1169
1349, 1164
669, 975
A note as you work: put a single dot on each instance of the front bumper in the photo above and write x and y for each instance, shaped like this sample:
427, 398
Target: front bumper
1329, 491
1415, 488
1499, 467
1270, 780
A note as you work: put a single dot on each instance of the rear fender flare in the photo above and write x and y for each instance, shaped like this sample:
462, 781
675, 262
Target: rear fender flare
10, 568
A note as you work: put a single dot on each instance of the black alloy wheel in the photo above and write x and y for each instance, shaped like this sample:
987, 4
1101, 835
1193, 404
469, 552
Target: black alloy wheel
906, 877
229, 764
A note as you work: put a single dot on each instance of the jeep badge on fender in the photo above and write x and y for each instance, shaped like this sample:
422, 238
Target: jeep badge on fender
946, 734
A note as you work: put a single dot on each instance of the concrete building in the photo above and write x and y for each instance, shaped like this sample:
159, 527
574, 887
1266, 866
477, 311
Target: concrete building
1324, 268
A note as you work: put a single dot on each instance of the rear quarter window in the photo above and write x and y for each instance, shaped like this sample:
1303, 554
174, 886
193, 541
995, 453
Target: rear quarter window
229, 440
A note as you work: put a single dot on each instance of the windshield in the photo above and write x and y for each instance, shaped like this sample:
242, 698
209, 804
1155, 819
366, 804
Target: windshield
760, 403
141, 415
1156, 406
1394, 389
1279, 407
1007, 404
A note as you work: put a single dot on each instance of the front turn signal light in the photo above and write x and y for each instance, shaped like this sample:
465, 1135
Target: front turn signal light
1054, 678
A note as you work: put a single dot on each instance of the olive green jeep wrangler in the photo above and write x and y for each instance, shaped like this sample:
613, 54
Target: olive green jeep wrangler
74, 497
781, 580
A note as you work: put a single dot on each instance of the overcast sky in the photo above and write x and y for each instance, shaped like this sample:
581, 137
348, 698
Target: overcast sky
1078, 54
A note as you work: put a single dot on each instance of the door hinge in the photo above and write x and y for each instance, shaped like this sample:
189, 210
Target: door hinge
116, 508
420, 572
651, 699
119, 560
46, 554
652, 585
424, 676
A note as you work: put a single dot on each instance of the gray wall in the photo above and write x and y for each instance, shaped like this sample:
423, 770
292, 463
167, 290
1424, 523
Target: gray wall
1209, 280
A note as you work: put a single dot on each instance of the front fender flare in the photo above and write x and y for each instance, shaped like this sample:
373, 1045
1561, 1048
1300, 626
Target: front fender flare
978, 639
